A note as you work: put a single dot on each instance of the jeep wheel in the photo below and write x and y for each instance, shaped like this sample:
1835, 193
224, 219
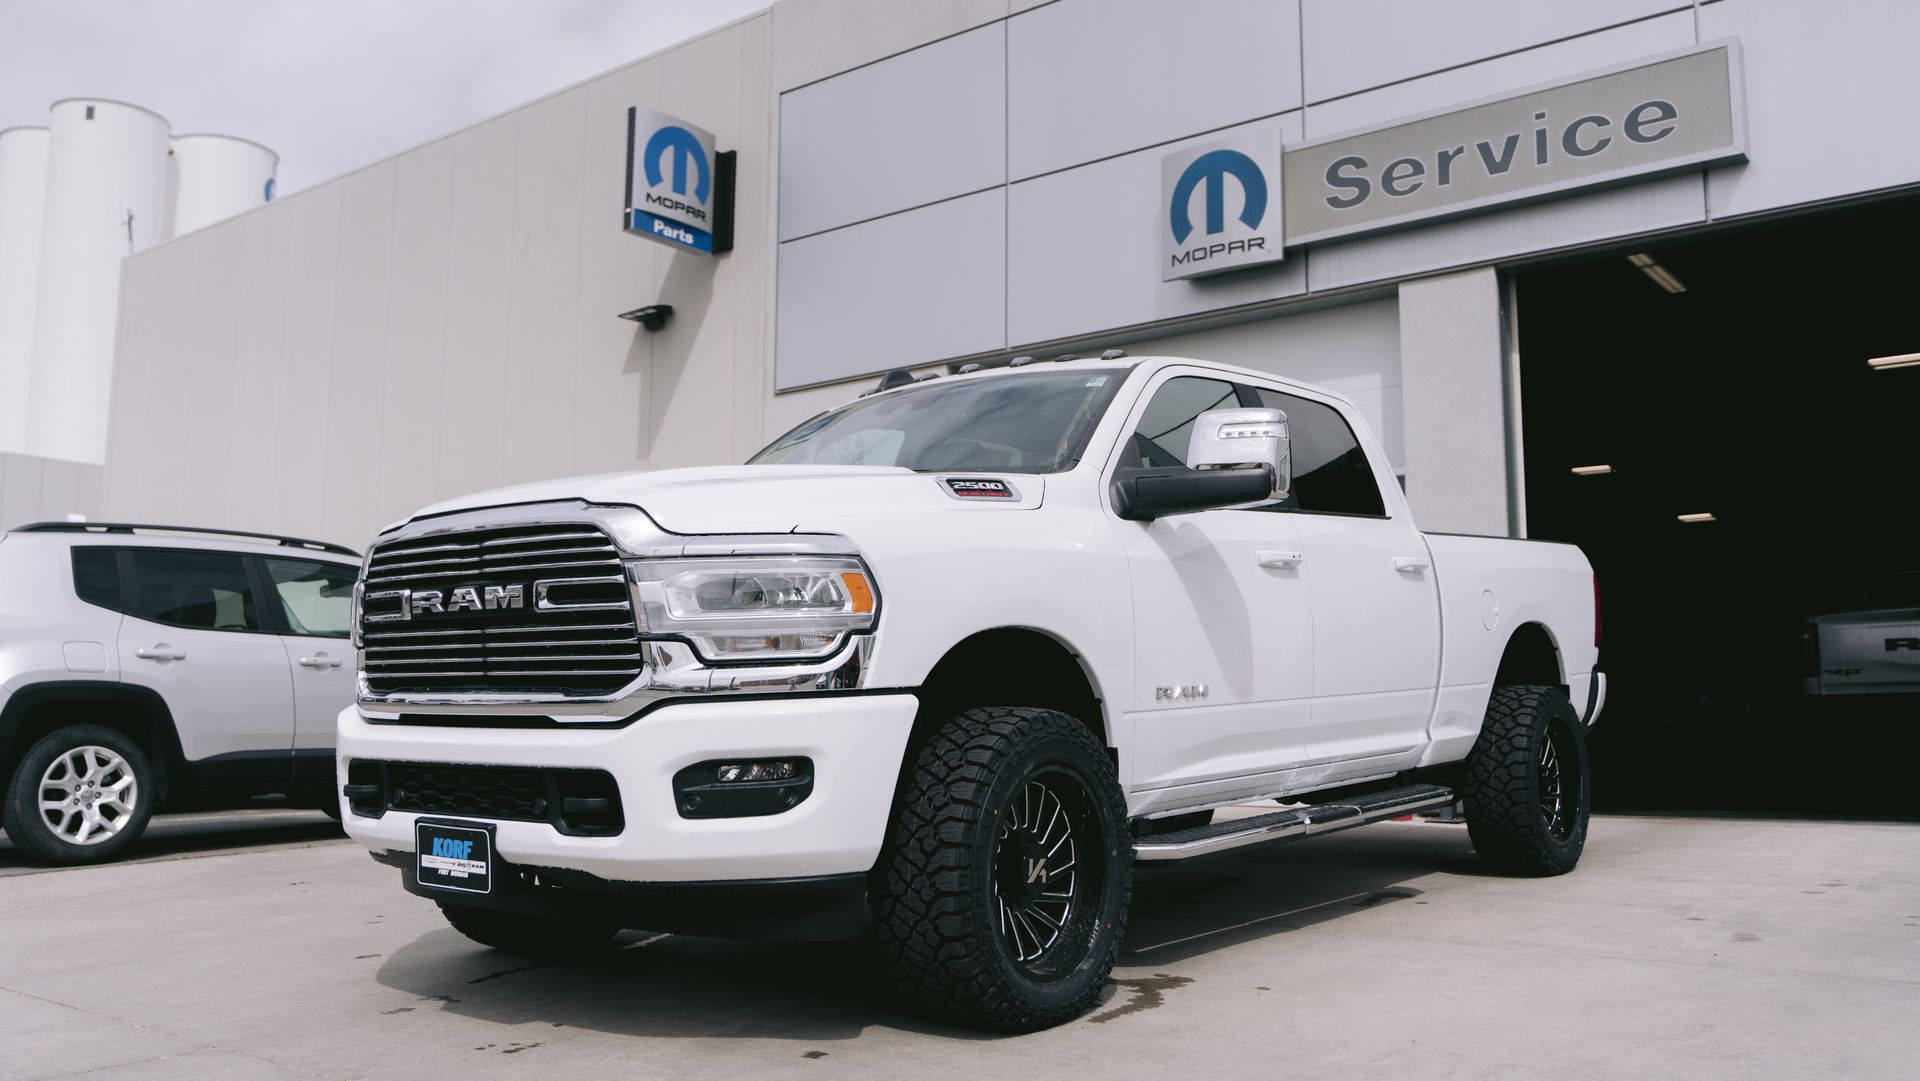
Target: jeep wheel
82, 794
1002, 894
1527, 781
529, 936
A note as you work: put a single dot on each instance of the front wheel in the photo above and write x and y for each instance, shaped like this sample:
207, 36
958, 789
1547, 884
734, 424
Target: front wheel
82, 794
1002, 895
1527, 783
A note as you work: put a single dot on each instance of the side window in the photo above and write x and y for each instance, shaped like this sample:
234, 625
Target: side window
1330, 470
317, 598
1167, 426
203, 590
96, 576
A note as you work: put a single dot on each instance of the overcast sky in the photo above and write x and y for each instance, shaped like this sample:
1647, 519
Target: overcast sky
330, 84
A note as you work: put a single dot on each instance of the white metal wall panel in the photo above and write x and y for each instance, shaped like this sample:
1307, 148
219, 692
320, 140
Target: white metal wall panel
1354, 45
912, 129
813, 39
1502, 75
1830, 101
1084, 251
907, 289
1087, 79
1353, 349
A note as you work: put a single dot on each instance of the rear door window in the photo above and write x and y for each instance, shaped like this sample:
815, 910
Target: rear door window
200, 590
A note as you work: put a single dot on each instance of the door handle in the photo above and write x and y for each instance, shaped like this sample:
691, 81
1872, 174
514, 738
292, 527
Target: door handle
161, 652
1411, 564
320, 660
1280, 560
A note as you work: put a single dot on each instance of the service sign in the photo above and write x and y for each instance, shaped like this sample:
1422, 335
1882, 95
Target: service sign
1672, 113
1220, 205
673, 180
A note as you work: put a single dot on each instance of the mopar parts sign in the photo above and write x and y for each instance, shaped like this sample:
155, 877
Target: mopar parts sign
679, 189
1220, 206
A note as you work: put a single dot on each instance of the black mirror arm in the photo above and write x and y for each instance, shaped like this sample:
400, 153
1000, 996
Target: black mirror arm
1142, 495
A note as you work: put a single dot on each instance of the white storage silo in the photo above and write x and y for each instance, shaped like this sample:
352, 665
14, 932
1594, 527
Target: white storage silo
23, 194
216, 177
106, 198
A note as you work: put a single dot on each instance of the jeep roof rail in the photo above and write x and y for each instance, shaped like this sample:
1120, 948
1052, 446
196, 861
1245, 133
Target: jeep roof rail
134, 527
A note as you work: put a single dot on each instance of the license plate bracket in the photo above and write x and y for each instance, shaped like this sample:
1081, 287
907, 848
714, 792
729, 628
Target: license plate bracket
453, 855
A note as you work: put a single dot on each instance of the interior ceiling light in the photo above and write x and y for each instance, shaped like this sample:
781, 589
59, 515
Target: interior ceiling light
1661, 276
1591, 470
1702, 516
1904, 360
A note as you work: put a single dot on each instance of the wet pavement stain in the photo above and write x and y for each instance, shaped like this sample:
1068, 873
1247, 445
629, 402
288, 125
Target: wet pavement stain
507, 972
397, 1009
1149, 993
364, 956
814, 1054
518, 1047
1381, 897
1745, 936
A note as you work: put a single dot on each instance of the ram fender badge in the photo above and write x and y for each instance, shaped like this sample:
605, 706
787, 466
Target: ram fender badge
972, 488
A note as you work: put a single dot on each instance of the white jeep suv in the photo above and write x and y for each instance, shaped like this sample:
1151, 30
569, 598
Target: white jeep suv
139, 660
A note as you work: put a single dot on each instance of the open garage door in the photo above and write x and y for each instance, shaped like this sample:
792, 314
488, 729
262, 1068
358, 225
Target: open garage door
1731, 428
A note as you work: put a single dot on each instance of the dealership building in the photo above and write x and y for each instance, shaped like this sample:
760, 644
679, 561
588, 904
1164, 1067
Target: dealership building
1625, 273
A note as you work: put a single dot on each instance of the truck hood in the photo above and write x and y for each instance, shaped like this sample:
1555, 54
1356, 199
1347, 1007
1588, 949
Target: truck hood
758, 498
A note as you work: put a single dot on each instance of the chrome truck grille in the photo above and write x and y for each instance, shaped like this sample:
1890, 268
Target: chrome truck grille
528, 609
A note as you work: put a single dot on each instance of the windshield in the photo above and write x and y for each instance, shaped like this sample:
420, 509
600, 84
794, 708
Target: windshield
1030, 422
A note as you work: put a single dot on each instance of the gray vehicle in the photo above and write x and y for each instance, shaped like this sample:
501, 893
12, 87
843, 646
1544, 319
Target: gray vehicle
1873, 649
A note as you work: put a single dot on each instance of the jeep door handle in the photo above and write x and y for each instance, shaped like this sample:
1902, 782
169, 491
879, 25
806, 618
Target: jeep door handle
161, 652
1411, 564
320, 660
1280, 560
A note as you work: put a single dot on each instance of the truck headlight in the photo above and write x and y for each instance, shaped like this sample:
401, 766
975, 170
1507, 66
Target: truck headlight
740, 608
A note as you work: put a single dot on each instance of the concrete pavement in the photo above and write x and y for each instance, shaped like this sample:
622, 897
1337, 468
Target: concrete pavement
1681, 948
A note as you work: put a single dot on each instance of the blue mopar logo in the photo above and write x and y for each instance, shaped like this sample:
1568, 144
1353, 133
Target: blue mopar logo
683, 147
1213, 167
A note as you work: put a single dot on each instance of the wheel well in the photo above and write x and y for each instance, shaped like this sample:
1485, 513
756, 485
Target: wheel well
1009, 666
1531, 658
35, 711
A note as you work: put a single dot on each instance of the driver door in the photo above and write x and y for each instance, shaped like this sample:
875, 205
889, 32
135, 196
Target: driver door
1223, 633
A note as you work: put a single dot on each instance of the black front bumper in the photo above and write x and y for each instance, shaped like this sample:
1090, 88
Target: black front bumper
826, 909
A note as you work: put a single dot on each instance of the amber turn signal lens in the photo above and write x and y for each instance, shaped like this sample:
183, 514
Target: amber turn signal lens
858, 591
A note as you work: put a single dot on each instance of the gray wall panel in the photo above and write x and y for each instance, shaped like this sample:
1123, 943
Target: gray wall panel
902, 290
1353, 45
1639, 208
424, 306
813, 39
1084, 252
1456, 423
1091, 78
912, 129
1503, 75
1830, 101
46, 490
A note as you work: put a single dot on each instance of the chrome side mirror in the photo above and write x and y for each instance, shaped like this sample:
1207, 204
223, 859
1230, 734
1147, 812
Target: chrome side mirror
1241, 439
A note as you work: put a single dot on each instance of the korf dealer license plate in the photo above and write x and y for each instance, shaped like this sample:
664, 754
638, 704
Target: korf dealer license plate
453, 857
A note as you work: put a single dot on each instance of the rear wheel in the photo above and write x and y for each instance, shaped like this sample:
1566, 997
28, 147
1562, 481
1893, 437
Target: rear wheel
529, 936
82, 794
1527, 783
1003, 892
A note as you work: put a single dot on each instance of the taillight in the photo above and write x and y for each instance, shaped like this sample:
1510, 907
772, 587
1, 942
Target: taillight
1596, 611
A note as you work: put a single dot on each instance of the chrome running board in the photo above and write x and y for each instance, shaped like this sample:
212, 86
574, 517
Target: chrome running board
1294, 823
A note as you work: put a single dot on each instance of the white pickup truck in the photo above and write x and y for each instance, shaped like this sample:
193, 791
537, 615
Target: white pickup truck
946, 663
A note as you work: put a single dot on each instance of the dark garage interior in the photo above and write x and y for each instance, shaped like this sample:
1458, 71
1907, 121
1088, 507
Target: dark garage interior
1731, 376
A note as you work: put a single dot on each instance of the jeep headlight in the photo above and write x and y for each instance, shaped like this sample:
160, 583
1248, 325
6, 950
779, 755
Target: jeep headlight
740, 608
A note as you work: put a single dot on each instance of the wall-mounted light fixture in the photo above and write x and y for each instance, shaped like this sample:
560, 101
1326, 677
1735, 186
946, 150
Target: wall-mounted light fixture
1701, 516
653, 316
1904, 360
1661, 276
1591, 470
